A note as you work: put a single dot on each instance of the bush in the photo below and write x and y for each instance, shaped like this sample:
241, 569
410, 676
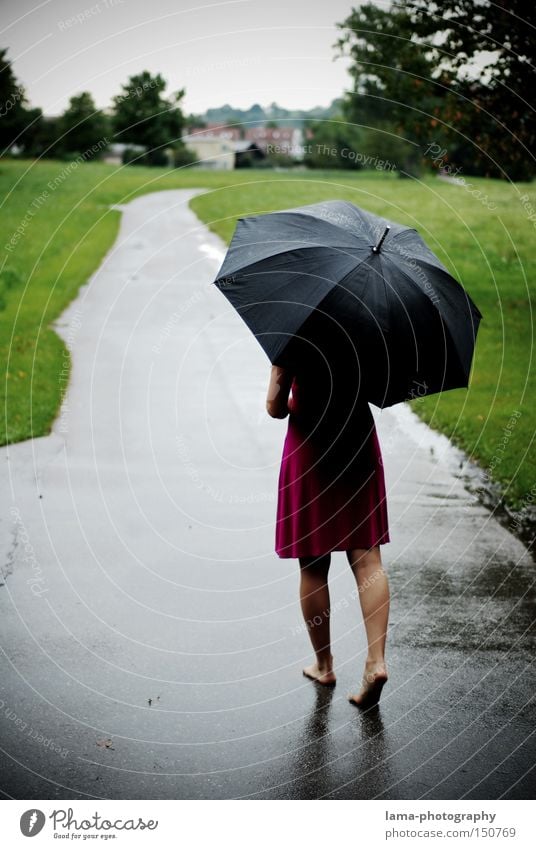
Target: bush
132, 156
331, 143
280, 160
384, 145
182, 156
158, 156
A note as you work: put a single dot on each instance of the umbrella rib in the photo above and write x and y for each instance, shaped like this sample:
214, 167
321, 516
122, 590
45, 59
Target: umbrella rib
445, 326
380, 272
354, 269
454, 282
432, 261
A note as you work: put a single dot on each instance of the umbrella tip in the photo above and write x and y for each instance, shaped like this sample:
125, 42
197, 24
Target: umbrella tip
376, 248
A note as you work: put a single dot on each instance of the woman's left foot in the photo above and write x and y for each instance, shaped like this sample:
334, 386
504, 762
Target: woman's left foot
374, 678
324, 676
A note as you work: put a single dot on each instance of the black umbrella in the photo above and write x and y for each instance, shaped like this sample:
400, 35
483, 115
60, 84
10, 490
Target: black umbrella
412, 325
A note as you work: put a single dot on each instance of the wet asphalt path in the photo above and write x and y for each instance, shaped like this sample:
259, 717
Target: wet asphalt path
151, 639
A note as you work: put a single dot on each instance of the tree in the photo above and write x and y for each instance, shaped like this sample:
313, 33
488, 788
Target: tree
42, 137
183, 156
332, 144
15, 118
195, 121
382, 148
143, 115
397, 85
493, 61
438, 80
278, 160
83, 128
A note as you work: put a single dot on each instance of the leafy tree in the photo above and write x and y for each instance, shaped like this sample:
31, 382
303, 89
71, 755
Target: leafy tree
278, 160
494, 105
195, 121
452, 73
397, 86
133, 156
15, 118
332, 144
143, 115
183, 156
42, 138
383, 148
339, 144
83, 128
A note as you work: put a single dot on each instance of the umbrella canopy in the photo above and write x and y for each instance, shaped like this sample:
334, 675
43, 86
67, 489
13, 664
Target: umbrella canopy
412, 325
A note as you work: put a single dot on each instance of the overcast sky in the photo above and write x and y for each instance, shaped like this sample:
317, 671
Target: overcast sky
238, 51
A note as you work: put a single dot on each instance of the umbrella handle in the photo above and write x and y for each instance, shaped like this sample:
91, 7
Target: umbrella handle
376, 248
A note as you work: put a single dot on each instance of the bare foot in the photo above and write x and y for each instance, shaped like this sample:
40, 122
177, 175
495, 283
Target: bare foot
323, 675
374, 678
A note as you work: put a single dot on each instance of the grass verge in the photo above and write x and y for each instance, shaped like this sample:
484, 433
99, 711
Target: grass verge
57, 225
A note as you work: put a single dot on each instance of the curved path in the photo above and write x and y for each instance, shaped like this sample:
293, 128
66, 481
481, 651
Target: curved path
152, 641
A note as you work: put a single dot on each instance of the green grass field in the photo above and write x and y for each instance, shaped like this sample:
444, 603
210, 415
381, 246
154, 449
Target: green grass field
59, 236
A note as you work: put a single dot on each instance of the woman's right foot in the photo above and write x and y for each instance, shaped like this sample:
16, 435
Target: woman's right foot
323, 675
374, 678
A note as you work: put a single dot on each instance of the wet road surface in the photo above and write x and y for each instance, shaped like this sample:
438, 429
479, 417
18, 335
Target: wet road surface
152, 640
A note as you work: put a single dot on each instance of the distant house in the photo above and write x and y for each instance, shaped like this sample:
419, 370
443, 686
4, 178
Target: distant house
222, 148
247, 153
114, 152
216, 131
211, 152
283, 140
213, 147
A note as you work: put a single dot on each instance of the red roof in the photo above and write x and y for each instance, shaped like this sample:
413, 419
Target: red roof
216, 131
270, 135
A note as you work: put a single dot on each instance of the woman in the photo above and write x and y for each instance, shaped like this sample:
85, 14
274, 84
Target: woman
331, 494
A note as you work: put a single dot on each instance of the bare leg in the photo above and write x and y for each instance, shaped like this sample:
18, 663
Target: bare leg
314, 598
373, 589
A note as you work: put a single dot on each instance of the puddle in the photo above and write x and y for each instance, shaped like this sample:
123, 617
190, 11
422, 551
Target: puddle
422, 435
485, 605
472, 476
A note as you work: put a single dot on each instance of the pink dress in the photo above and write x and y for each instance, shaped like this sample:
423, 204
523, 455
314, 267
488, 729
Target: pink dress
331, 493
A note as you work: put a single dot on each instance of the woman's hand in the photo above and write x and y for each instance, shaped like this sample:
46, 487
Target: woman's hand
278, 391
